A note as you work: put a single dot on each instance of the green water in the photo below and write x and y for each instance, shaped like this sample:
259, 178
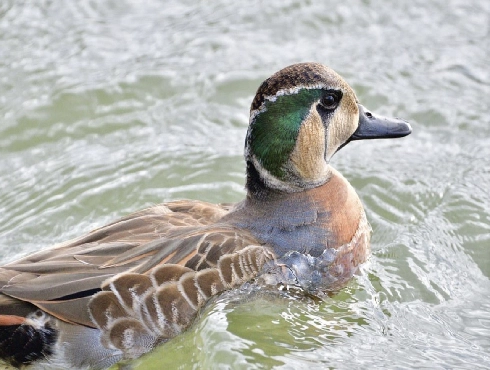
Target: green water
108, 107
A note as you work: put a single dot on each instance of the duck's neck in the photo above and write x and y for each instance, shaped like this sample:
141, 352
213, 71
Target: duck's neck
308, 221
264, 185
256, 188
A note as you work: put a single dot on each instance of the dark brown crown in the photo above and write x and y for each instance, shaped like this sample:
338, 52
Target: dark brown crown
301, 74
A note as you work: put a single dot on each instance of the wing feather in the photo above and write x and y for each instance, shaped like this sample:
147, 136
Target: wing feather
62, 279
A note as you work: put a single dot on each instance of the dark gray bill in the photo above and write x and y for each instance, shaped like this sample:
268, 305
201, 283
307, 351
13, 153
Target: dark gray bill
379, 127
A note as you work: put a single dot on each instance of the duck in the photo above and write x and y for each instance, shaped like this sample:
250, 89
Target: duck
124, 288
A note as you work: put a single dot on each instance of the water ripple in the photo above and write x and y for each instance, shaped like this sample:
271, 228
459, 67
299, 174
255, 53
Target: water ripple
108, 107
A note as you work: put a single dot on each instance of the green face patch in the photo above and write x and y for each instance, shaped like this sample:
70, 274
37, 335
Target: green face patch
274, 132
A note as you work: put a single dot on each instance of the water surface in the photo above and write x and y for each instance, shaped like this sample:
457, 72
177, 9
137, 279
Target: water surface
109, 107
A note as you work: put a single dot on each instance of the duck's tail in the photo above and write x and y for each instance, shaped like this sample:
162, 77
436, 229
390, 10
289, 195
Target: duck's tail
24, 338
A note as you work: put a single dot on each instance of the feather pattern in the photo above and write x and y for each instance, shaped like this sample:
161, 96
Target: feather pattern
59, 278
134, 311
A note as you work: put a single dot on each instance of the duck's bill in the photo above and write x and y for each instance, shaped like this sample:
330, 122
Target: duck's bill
372, 126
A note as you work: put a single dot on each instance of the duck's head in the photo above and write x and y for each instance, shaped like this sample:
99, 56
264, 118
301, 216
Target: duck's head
299, 118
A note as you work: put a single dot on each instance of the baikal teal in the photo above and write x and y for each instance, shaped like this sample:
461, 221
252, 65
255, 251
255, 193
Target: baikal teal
121, 290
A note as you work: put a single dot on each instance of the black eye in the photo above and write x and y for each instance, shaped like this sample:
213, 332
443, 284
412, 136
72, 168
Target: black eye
330, 101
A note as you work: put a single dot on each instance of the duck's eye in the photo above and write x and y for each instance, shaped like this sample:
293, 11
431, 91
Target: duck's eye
330, 101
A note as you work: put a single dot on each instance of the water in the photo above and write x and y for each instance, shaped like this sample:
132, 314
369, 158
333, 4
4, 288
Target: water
108, 107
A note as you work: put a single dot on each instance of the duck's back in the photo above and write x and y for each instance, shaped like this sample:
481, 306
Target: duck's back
58, 276
52, 288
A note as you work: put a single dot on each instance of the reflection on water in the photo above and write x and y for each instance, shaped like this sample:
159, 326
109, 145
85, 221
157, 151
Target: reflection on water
108, 107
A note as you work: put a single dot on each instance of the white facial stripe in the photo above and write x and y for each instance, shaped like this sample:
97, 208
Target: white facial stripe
272, 181
294, 90
283, 92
